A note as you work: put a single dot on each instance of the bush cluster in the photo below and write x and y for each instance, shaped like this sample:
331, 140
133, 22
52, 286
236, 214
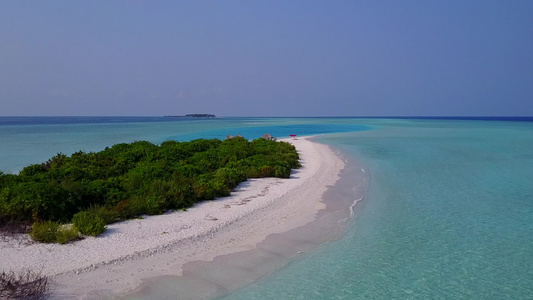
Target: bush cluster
89, 223
53, 232
127, 180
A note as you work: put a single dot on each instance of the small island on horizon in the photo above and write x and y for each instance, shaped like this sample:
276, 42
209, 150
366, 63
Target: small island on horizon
193, 116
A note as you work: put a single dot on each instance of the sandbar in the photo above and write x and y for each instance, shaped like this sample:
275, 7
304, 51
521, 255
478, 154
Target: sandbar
130, 252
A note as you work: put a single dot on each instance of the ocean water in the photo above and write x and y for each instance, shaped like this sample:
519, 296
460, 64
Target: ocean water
448, 212
448, 215
31, 140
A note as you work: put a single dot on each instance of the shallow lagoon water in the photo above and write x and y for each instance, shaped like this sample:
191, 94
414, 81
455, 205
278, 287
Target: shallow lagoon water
30, 140
448, 213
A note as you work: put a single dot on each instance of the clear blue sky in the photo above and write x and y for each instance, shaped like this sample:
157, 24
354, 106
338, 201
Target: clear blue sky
266, 58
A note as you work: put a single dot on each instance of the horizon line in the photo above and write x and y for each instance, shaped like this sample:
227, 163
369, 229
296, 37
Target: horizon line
287, 117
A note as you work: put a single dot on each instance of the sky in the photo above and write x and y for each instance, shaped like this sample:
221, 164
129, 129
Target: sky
266, 58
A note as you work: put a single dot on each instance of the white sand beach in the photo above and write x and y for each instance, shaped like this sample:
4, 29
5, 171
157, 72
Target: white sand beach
128, 252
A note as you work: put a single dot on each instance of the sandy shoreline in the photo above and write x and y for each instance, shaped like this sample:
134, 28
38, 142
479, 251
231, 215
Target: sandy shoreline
128, 252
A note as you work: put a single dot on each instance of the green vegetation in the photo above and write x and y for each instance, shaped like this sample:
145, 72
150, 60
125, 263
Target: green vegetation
53, 232
67, 233
89, 223
45, 232
128, 180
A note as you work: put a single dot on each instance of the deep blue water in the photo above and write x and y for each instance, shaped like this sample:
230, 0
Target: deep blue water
43, 120
448, 213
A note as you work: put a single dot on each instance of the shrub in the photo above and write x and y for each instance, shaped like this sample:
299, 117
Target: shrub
45, 232
139, 205
152, 206
53, 232
230, 177
132, 207
266, 171
282, 172
67, 233
219, 187
26, 285
162, 192
109, 214
89, 223
203, 191
252, 172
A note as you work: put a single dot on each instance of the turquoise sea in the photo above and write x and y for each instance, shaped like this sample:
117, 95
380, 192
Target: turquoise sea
448, 212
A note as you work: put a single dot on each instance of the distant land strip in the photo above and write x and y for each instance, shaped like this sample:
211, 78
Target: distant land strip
193, 116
